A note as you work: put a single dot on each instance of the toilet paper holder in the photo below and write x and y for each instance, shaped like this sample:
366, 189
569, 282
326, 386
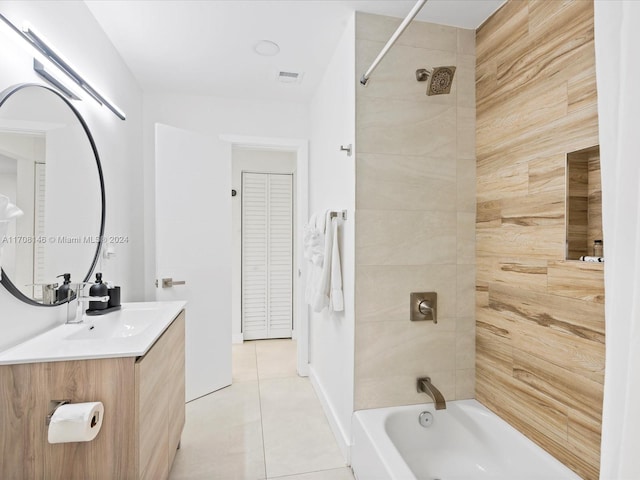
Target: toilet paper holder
53, 406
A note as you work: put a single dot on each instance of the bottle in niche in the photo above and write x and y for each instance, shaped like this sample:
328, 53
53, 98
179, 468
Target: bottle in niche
597, 248
98, 289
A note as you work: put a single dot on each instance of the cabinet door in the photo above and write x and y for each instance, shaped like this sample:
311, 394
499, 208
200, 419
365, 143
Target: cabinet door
160, 402
175, 381
152, 405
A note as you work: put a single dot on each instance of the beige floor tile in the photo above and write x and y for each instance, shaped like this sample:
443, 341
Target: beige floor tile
333, 474
297, 436
276, 358
244, 366
224, 432
222, 438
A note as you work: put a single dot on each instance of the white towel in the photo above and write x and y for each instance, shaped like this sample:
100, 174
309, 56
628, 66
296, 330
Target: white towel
336, 299
314, 253
323, 285
8, 210
588, 258
313, 242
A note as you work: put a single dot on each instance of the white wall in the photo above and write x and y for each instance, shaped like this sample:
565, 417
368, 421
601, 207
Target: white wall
332, 186
211, 116
250, 160
73, 30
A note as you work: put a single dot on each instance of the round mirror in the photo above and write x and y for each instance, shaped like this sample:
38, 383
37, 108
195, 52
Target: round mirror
49, 168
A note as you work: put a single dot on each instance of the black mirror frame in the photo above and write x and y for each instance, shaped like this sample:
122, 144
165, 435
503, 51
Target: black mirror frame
6, 282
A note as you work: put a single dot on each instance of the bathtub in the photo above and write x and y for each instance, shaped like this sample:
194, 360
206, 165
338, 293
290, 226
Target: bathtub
465, 441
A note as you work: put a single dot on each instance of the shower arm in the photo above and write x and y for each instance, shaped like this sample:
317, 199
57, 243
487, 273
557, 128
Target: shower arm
405, 23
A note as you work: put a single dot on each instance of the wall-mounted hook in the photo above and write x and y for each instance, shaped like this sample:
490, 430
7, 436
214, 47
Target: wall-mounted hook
347, 148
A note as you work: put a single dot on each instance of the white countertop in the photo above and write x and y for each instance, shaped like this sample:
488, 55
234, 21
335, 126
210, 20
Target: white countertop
128, 332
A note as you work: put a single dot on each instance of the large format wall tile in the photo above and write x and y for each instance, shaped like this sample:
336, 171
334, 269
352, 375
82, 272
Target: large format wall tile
415, 218
540, 319
417, 34
466, 247
467, 42
382, 292
395, 237
465, 80
465, 291
393, 348
404, 127
395, 76
466, 185
389, 391
465, 383
466, 131
396, 182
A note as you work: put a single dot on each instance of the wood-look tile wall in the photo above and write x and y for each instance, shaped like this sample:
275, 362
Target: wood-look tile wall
540, 319
415, 214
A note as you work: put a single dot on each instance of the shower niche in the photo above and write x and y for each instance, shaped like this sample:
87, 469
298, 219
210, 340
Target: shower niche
584, 204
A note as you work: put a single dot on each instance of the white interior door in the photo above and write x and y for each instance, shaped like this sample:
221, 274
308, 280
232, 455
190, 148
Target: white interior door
193, 245
267, 255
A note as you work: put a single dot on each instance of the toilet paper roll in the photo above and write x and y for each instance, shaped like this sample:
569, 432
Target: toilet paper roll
76, 422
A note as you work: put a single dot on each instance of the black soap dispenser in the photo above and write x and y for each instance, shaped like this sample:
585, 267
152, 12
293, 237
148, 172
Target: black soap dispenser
64, 292
98, 289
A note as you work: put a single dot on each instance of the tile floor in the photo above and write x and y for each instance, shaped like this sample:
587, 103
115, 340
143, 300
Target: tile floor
268, 424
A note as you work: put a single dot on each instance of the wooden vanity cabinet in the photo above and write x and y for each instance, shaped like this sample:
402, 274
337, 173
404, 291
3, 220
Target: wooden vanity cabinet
160, 402
144, 400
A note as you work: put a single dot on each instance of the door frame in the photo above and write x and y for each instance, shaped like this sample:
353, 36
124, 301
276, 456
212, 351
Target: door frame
301, 148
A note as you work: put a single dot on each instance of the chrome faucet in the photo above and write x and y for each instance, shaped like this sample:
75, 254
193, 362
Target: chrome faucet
424, 385
81, 305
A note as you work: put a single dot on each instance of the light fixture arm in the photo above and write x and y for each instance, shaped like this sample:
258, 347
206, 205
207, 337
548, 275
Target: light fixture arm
44, 47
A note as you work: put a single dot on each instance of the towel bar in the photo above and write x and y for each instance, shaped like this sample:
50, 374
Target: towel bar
342, 214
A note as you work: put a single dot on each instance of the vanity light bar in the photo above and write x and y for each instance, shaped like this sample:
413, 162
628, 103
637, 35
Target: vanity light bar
39, 61
52, 54
41, 70
43, 47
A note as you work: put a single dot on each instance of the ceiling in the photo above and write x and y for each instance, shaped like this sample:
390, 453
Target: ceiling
206, 47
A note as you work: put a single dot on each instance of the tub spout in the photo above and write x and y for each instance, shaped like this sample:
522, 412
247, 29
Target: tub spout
424, 385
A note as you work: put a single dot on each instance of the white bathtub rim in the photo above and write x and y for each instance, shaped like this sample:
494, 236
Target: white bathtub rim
387, 453
391, 458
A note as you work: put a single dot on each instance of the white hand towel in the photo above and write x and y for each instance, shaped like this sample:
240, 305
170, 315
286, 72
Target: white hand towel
8, 210
313, 245
314, 253
336, 299
323, 286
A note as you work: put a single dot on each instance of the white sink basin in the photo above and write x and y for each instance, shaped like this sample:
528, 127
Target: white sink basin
128, 332
115, 325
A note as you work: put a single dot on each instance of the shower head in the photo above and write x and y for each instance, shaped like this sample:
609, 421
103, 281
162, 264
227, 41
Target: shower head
439, 79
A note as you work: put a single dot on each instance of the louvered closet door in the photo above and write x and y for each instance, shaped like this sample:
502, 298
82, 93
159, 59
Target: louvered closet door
267, 255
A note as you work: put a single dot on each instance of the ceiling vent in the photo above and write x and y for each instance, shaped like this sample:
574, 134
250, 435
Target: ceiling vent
289, 77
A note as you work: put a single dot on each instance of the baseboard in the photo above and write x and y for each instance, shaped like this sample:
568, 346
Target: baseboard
237, 338
344, 441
